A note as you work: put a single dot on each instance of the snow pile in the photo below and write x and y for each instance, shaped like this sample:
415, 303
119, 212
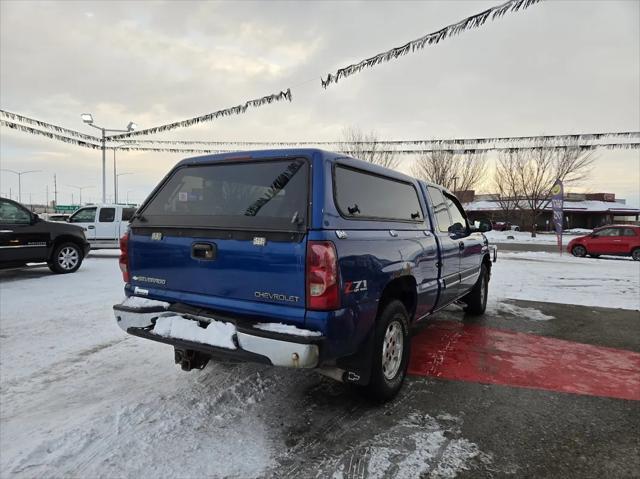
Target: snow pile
217, 333
531, 314
138, 302
286, 329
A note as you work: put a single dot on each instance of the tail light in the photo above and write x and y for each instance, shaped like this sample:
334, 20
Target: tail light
323, 288
124, 257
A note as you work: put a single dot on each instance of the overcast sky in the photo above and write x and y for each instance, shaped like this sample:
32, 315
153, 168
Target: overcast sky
558, 67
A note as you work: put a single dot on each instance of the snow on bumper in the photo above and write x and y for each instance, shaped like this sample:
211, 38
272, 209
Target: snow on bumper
152, 320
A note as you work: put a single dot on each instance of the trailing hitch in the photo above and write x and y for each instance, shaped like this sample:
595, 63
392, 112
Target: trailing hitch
189, 359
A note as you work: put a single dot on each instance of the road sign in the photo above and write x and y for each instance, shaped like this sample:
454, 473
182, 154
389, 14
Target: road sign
66, 208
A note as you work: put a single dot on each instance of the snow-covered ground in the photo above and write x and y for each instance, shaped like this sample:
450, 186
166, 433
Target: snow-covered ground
80, 398
610, 282
524, 237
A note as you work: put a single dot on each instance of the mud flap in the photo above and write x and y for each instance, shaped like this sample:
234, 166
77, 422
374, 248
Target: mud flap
357, 367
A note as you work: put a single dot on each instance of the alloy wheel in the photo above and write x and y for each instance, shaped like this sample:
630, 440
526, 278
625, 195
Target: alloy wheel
392, 349
68, 258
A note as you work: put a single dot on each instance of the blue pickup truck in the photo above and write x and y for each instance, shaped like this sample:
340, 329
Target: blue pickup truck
299, 258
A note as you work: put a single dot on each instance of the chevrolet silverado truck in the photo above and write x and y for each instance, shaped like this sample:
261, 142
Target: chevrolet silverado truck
299, 258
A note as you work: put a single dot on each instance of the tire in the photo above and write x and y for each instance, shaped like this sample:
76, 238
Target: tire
635, 254
66, 258
476, 299
579, 251
391, 351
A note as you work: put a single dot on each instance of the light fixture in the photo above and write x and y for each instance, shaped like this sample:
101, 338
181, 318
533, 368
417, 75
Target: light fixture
87, 118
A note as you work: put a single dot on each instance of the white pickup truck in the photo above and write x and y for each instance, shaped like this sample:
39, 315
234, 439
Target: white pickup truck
103, 224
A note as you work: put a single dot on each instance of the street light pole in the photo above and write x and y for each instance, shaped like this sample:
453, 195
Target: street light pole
80, 188
20, 173
88, 119
116, 187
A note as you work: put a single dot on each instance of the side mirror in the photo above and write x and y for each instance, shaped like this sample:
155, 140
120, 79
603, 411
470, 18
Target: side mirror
34, 218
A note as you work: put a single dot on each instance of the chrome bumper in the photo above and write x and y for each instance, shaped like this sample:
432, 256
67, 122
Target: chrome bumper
279, 349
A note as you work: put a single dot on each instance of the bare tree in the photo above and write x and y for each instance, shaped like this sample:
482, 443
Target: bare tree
367, 147
454, 171
524, 177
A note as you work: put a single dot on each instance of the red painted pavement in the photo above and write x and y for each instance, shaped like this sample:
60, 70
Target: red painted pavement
468, 352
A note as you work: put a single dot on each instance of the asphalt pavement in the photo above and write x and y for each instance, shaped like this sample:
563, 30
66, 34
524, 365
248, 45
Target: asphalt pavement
440, 427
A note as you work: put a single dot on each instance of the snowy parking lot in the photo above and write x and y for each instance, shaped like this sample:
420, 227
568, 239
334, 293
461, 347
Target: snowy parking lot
79, 398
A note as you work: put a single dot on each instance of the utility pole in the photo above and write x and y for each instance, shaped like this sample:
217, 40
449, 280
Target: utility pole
88, 119
55, 190
46, 205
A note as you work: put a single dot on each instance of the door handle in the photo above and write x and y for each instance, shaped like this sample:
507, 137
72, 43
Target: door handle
205, 251
461, 245
91, 227
393, 233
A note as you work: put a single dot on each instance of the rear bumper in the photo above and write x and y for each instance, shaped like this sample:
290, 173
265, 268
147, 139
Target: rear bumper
252, 345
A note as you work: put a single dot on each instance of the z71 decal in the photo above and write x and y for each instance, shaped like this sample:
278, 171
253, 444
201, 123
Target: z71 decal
355, 286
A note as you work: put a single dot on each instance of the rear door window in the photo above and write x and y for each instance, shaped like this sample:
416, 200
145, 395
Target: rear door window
629, 232
362, 195
271, 195
107, 215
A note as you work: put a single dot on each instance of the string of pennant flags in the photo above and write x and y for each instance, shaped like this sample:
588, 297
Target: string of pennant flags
567, 138
474, 21
465, 151
235, 110
458, 145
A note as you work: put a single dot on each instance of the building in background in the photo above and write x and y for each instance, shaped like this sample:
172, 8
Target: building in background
581, 210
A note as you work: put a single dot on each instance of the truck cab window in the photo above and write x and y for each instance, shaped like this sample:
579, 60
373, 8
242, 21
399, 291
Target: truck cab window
85, 215
11, 213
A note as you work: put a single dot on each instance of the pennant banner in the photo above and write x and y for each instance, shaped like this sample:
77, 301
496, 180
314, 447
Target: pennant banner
14, 117
575, 138
468, 23
466, 151
47, 134
236, 110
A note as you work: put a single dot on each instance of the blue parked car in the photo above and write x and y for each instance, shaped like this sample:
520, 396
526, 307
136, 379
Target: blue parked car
298, 258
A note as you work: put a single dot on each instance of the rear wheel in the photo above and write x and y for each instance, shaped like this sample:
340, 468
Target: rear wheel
635, 254
476, 299
66, 258
390, 352
579, 251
